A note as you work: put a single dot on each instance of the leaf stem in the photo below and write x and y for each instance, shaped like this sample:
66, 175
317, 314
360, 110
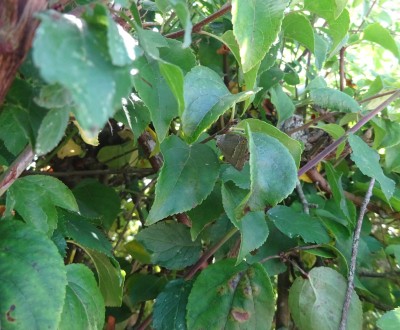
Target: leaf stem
328, 150
354, 252
197, 27
193, 270
16, 168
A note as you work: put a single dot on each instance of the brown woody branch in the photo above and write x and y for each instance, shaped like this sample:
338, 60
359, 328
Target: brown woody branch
197, 27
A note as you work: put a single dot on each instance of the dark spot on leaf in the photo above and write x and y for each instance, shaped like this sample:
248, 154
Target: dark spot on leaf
247, 291
240, 315
9, 318
233, 282
34, 264
221, 290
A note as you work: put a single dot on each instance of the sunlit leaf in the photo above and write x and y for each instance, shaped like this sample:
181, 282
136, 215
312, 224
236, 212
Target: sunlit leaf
206, 98
283, 103
75, 54
367, 160
333, 99
51, 130
153, 89
182, 10
297, 26
256, 25
273, 171
390, 320
378, 34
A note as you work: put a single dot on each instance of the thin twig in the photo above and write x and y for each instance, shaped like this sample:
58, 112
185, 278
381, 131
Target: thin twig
197, 27
302, 197
332, 147
342, 77
139, 171
376, 96
354, 252
365, 17
193, 270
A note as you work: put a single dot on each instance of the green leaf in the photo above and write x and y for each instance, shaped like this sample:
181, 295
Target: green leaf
189, 169
75, 54
244, 295
333, 99
151, 41
367, 160
283, 103
316, 302
14, 138
293, 223
53, 97
175, 54
320, 51
35, 198
156, 94
170, 306
249, 77
206, 98
392, 159
96, 200
297, 26
142, 287
328, 9
138, 252
170, 244
122, 47
182, 11
31, 271
390, 320
333, 130
134, 114
84, 233
335, 183
110, 278
395, 250
270, 78
208, 211
120, 155
381, 36
252, 226
51, 130
175, 62
239, 178
338, 29
273, 171
84, 305
256, 25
